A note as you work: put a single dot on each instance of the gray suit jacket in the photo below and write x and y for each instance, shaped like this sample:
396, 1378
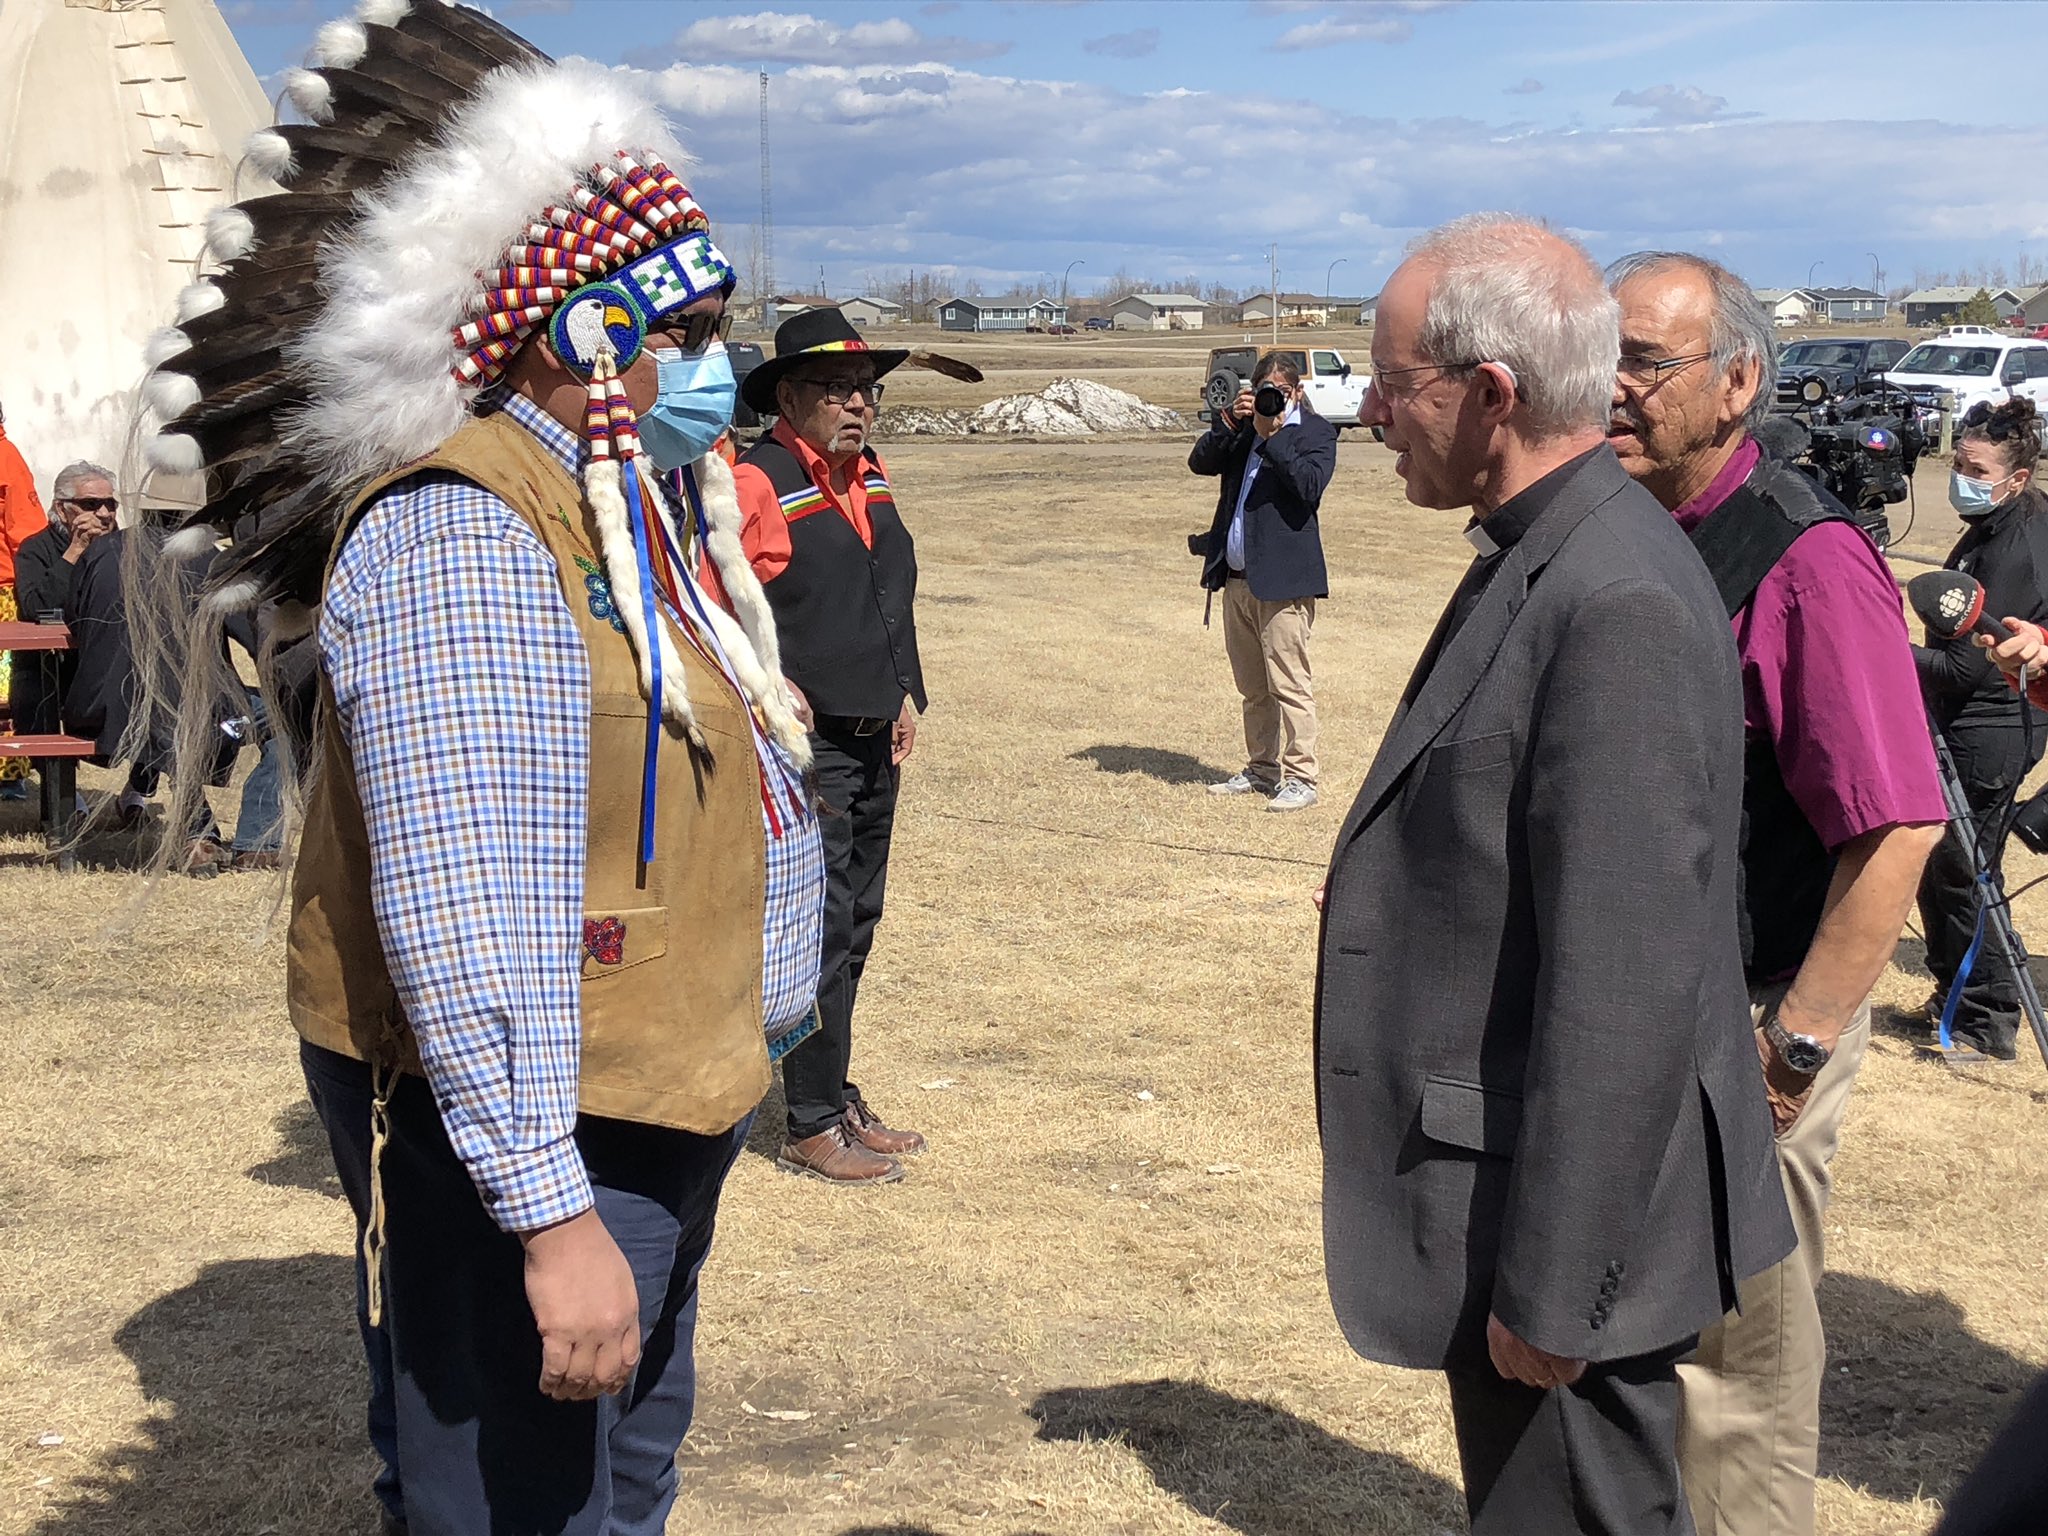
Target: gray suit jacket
1537, 1086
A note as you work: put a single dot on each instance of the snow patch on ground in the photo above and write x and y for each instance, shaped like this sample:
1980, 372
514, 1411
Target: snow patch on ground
1064, 408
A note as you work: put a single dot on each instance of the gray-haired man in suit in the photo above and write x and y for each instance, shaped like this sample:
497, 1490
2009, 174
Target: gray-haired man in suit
1547, 1158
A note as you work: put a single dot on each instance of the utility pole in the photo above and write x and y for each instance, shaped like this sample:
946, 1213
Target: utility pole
1273, 272
765, 278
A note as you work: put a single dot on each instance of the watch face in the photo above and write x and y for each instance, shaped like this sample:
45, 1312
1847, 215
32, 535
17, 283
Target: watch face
1802, 1054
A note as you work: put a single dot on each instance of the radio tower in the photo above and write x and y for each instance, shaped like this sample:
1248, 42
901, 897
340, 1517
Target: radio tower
765, 277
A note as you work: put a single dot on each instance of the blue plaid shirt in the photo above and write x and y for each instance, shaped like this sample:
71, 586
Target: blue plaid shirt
463, 688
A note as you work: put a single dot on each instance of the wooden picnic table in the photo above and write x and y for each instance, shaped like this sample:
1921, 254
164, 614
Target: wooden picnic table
55, 756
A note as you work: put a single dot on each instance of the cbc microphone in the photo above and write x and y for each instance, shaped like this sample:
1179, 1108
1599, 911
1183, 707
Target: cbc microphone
1951, 604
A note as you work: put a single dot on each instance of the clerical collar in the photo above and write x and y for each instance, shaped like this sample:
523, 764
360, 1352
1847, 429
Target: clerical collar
1503, 527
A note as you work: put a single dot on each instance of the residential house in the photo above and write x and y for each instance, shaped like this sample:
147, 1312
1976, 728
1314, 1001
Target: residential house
1295, 309
1852, 306
2033, 306
1156, 312
1937, 306
1368, 310
864, 312
1005, 312
785, 305
1788, 306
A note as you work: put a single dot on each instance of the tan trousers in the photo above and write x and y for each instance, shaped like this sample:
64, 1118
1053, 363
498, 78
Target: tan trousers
1749, 1401
1267, 644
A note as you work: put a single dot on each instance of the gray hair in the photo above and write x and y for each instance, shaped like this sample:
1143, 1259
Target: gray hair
1741, 325
1512, 290
70, 477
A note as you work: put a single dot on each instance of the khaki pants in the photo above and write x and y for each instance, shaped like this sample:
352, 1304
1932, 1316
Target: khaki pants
1749, 1401
1268, 648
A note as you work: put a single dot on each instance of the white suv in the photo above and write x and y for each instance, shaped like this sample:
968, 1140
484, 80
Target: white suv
1989, 368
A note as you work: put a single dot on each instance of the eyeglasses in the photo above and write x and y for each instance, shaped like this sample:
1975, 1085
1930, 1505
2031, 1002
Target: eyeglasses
693, 333
93, 503
840, 390
1655, 370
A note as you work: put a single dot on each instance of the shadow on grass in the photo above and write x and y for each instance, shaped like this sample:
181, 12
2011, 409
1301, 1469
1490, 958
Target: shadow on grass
304, 1159
771, 1121
1153, 762
1255, 1468
255, 1385
1912, 1397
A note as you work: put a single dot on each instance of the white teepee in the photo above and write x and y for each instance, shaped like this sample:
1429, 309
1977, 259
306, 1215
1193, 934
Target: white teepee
121, 125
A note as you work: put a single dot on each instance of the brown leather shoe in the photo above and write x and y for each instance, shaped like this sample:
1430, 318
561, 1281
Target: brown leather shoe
868, 1129
834, 1156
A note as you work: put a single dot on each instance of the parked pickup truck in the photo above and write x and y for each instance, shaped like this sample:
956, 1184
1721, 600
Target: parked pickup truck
1326, 379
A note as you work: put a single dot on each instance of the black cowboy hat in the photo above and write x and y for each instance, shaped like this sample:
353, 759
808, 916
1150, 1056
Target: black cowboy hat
812, 334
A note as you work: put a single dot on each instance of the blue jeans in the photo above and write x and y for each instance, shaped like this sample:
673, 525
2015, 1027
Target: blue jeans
485, 1454
340, 1089
258, 826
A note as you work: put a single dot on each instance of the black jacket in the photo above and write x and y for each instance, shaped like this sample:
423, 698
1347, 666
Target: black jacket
1961, 684
43, 583
1283, 544
1536, 1079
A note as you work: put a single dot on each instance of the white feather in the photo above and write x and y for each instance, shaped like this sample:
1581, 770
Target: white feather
170, 394
175, 453
165, 344
232, 598
604, 491
190, 543
383, 13
200, 298
311, 94
271, 153
230, 234
378, 357
341, 44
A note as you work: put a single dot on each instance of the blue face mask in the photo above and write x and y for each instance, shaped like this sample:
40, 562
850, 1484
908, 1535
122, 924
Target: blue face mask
692, 405
1972, 498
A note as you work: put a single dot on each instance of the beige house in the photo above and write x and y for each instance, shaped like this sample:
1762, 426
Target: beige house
864, 312
1295, 309
1156, 312
785, 305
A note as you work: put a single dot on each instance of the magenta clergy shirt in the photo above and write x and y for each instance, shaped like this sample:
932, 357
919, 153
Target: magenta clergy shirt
1827, 677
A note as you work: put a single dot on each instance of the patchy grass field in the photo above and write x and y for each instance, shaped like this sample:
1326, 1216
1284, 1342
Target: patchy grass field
1097, 1304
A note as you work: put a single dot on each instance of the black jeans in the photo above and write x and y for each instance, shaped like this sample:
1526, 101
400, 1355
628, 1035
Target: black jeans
858, 785
1989, 760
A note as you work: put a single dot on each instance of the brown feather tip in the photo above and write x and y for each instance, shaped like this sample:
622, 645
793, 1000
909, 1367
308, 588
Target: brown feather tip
951, 367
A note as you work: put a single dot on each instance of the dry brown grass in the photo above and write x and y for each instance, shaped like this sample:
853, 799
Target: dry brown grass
1063, 1322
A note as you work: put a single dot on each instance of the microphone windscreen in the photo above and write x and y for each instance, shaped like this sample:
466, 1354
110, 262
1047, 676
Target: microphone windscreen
1948, 602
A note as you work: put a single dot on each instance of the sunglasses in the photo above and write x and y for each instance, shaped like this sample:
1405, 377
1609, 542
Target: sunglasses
93, 503
693, 333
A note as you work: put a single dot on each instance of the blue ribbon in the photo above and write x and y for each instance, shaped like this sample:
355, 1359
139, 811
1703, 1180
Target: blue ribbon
1955, 988
637, 511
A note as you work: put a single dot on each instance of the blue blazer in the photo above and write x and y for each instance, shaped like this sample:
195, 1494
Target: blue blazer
1283, 543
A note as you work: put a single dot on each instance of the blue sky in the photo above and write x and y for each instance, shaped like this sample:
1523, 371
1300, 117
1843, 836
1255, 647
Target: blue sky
999, 140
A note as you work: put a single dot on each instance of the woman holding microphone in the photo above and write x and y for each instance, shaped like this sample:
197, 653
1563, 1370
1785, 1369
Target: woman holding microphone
2005, 548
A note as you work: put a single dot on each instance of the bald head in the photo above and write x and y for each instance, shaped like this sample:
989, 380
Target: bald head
1499, 288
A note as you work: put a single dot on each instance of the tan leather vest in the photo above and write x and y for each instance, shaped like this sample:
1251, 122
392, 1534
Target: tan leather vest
671, 971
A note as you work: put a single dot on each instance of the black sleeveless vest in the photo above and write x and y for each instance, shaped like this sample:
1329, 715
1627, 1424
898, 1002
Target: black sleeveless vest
1786, 869
843, 611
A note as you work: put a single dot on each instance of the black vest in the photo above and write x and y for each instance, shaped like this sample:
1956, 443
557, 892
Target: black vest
843, 610
1786, 869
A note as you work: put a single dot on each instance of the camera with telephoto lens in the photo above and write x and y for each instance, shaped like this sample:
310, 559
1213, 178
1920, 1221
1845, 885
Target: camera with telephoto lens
1270, 401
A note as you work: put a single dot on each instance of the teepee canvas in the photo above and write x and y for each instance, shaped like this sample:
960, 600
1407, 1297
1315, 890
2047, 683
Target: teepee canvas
121, 125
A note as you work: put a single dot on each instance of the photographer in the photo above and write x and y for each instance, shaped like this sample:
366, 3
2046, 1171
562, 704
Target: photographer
2005, 547
1264, 553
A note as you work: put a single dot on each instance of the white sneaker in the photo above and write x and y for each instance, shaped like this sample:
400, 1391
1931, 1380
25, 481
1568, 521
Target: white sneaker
1240, 784
1293, 795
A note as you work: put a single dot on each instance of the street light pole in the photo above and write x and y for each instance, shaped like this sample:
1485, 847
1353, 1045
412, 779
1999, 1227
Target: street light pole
1273, 271
1876, 280
1809, 285
1076, 262
1333, 266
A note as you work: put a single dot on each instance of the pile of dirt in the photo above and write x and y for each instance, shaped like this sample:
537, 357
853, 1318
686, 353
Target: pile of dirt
1064, 408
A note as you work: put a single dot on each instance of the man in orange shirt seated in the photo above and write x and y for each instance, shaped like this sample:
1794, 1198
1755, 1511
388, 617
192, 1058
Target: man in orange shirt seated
840, 570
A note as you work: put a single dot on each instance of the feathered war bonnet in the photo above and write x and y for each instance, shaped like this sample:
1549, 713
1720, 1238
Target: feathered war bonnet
454, 195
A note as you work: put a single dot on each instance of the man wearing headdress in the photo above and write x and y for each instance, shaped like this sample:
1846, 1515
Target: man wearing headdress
558, 884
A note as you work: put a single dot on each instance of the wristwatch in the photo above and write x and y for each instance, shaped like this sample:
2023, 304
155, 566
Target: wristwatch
1800, 1053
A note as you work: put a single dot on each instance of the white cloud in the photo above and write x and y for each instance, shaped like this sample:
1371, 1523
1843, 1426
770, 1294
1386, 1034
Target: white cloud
1675, 103
1348, 21
941, 166
1124, 45
1529, 87
779, 37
